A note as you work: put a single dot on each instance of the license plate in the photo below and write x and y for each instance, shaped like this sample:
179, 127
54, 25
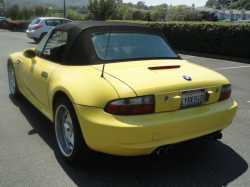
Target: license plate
192, 98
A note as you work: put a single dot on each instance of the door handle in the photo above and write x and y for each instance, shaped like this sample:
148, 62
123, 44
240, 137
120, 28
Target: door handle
44, 74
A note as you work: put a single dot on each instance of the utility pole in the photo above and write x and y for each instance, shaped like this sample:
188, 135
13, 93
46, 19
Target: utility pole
64, 9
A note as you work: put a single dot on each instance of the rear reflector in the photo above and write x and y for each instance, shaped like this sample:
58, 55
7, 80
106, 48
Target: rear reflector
164, 67
225, 92
37, 27
131, 106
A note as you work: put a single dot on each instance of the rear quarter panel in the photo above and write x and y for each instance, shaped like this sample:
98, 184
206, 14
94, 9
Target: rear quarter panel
82, 84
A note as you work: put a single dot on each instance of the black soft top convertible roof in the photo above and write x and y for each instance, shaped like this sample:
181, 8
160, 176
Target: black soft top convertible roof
79, 48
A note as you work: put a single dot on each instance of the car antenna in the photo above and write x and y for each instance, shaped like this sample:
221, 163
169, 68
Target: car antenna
106, 52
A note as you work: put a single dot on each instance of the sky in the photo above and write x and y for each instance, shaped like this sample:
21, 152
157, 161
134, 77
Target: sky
174, 2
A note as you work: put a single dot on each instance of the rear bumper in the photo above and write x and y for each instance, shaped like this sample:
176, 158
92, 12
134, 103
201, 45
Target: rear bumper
142, 134
33, 34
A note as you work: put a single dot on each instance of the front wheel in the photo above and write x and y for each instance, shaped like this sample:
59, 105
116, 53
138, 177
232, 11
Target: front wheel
68, 133
12, 81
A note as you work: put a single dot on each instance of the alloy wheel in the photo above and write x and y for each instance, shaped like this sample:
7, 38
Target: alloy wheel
64, 130
12, 81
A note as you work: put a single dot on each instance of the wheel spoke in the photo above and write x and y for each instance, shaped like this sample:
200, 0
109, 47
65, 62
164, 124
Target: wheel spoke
66, 130
71, 140
67, 118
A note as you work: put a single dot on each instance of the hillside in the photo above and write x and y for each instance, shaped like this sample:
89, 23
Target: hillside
53, 3
241, 4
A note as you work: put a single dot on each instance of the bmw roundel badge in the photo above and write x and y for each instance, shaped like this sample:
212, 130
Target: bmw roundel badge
187, 78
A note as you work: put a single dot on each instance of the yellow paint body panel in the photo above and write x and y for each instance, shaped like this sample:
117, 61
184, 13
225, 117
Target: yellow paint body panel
136, 134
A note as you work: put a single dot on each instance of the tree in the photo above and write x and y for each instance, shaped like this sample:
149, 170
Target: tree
137, 15
223, 2
141, 5
2, 2
210, 3
177, 13
247, 6
89, 16
157, 13
13, 12
239, 5
218, 6
102, 9
40, 11
128, 16
121, 12
192, 17
209, 17
26, 13
70, 14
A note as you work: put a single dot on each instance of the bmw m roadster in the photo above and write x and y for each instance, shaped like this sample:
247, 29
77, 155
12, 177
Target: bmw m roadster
119, 88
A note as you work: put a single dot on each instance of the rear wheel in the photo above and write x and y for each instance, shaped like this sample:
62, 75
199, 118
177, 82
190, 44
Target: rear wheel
68, 133
36, 39
14, 28
12, 81
42, 36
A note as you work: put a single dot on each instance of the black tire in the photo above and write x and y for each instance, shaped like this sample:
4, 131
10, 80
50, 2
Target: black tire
42, 36
36, 39
14, 28
80, 151
12, 81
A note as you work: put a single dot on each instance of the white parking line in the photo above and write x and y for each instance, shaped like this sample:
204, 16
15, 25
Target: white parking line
233, 67
248, 101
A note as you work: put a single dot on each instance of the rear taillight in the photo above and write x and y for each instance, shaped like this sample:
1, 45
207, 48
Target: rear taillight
37, 27
225, 92
131, 106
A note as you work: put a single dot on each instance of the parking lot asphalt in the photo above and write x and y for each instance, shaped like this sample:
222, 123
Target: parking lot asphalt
29, 155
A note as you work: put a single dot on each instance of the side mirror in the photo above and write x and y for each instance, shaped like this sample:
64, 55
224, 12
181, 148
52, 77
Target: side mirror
30, 53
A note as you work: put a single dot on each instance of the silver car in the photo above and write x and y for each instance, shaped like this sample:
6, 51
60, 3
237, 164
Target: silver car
42, 25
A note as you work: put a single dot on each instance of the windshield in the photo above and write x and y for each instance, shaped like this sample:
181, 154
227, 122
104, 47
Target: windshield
131, 45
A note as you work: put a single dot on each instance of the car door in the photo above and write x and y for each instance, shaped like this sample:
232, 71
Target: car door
3, 24
36, 72
6, 24
49, 25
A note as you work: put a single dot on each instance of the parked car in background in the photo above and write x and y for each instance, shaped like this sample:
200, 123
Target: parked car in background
9, 25
42, 25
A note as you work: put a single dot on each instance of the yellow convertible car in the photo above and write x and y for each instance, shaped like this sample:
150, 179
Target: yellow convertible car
119, 88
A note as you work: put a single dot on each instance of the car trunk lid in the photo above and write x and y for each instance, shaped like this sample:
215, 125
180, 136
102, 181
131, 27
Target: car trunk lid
166, 81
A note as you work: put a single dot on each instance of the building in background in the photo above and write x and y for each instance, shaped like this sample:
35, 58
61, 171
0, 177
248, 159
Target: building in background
231, 15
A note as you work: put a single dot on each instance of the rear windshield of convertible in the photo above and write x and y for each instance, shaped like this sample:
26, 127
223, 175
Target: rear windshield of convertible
131, 46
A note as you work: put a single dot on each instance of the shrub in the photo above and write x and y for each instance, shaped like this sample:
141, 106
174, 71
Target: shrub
137, 15
228, 39
128, 16
192, 17
176, 17
157, 13
23, 25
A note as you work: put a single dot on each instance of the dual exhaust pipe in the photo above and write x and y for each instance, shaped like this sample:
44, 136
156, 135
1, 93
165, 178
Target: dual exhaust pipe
168, 150
162, 151
214, 136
